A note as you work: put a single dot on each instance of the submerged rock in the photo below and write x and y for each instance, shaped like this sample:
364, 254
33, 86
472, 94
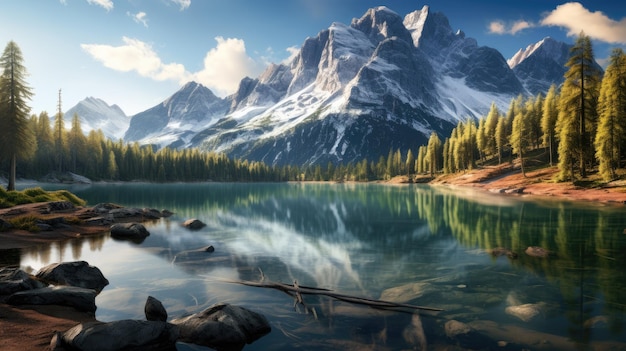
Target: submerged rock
222, 327
536, 251
526, 312
407, 292
467, 337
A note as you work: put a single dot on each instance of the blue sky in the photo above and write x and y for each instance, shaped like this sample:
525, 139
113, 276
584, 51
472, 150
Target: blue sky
136, 53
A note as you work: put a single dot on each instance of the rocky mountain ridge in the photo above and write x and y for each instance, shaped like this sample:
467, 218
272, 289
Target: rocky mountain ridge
353, 92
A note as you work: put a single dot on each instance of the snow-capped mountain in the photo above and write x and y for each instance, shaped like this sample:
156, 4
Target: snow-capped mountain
352, 92
176, 120
94, 114
541, 64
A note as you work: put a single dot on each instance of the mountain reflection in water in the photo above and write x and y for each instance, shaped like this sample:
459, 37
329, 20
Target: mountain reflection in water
415, 244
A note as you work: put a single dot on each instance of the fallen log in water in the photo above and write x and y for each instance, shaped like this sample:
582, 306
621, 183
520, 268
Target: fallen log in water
297, 291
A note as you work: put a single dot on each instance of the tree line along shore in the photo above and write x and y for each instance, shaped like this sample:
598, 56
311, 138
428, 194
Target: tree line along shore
579, 127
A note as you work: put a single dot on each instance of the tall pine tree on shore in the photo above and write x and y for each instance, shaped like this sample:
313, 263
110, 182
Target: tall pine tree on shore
16, 135
578, 110
612, 120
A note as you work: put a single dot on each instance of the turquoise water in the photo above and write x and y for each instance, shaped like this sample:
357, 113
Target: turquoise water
415, 244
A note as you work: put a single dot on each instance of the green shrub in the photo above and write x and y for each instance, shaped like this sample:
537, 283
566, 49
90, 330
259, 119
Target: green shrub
32, 195
26, 222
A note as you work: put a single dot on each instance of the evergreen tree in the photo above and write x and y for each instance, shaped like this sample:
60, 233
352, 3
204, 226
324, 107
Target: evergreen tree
410, 163
577, 108
612, 111
59, 136
519, 138
76, 143
491, 124
16, 136
433, 152
549, 116
44, 156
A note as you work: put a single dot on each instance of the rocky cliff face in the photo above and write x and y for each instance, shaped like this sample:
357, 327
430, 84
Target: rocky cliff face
352, 92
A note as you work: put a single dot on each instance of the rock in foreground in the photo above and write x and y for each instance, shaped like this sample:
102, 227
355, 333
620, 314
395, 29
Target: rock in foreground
118, 335
223, 327
78, 273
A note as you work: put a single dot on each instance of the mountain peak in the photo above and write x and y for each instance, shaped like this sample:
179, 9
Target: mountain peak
380, 23
546, 47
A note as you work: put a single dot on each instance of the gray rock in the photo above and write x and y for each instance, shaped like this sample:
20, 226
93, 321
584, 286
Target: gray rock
129, 231
105, 207
78, 273
166, 213
59, 206
80, 298
154, 310
13, 279
193, 224
151, 213
223, 327
118, 335
124, 212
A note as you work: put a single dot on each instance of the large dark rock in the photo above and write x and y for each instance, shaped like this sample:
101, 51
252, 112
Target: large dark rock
223, 327
131, 231
80, 298
154, 310
78, 273
13, 279
118, 335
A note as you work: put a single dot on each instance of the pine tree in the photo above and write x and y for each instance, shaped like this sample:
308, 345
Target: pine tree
16, 137
519, 138
59, 136
76, 143
433, 152
612, 111
491, 124
577, 108
549, 116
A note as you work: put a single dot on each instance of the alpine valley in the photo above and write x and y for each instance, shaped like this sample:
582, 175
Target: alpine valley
351, 92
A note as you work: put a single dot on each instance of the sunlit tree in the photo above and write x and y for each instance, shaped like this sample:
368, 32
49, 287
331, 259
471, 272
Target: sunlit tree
16, 136
550, 113
577, 109
612, 120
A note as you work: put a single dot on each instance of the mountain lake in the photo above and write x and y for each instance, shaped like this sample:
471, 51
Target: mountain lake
412, 244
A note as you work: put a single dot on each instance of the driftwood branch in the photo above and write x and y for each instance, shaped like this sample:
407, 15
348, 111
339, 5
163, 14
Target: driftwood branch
297, 291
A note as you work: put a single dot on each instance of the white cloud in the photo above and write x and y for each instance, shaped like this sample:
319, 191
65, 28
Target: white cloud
140, 17
501, 28
225, 66
137, 56
184, 4
574, 17
106, 4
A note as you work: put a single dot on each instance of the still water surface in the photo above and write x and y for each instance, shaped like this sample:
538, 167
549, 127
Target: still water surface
414, 244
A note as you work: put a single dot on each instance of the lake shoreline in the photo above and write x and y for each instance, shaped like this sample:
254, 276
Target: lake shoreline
32, 327
508, 180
